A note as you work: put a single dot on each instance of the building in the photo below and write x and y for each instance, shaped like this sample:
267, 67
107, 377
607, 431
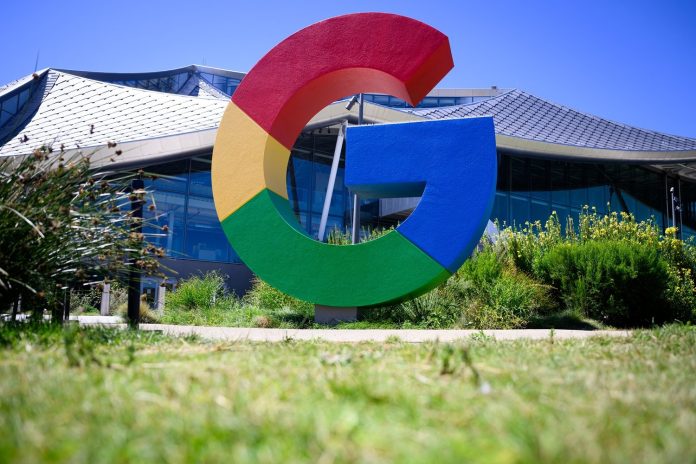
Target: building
551, 158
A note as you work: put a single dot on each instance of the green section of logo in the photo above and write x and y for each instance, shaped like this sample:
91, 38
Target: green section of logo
268, 238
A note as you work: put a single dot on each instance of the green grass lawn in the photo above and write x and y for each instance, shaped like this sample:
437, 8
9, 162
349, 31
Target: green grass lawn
107, 396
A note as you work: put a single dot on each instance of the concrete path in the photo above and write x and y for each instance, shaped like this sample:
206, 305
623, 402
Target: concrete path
347, 335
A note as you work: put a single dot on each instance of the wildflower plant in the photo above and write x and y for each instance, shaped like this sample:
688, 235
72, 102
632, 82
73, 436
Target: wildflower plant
609, 266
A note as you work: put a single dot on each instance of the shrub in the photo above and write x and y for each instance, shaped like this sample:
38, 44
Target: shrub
517, 298
87, 300
118, 295
225, 312
263, 295
618, 282
485, 293
203, 300
609, 267
197, 292
62, 224
147, 315
681, 294
497, 295
436, 309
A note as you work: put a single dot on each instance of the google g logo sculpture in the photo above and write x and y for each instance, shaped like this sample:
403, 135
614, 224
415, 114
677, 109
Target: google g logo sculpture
451, 163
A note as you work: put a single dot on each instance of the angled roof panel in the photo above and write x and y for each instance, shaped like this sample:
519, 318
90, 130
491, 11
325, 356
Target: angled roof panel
84, 109
519, 114
78, 112
182, 81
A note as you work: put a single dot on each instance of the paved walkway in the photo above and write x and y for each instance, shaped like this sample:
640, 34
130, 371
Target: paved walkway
347, 335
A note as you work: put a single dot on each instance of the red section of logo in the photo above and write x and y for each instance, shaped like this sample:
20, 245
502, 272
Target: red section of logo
340, 57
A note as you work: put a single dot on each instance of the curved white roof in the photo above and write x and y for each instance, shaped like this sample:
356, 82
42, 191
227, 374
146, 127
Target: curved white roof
81, 113
177, 112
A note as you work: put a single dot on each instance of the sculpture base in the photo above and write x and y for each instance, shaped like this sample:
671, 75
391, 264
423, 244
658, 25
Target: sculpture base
332, 315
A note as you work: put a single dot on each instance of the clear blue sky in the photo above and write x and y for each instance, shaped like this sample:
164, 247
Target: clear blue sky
629, 61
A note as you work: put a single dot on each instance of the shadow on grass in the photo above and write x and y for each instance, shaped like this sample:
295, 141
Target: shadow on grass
564, 321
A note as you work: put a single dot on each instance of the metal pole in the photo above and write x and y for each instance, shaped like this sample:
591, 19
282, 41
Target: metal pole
15, 309
674, 219
665, 224
66, 304
137, 186
355, 232
681, 208
332, 182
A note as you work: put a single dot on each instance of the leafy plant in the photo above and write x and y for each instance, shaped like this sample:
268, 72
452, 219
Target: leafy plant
62, 224
263, 295
147, 314
620, 283
197, 292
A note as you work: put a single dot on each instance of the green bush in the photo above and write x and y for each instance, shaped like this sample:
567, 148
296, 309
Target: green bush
486, 293
197, 292
61, 225
147, 314
513, 300
85, 300
601, 269
263, 295
437, 309
618, 282
225, 312
608, 267
496, 295
203, 300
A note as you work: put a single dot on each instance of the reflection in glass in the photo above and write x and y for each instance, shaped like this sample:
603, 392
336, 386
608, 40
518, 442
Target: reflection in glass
536, 187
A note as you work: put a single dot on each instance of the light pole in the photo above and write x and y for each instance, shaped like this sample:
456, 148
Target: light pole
674, 219
137, 187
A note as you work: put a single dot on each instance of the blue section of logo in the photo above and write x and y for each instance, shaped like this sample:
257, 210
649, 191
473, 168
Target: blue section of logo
452, 163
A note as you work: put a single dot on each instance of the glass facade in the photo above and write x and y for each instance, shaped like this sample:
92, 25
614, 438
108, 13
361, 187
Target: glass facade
308, 178
528, 189
427, 102
686, 214
175, 83
223, 83
169, 83
13, 102
184, 221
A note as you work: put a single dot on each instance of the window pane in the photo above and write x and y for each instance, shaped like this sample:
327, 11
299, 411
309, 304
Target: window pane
205, 239
169, 212
519, 210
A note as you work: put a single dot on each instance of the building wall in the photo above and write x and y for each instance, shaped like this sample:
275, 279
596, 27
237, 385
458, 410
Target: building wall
186, 226
530, 189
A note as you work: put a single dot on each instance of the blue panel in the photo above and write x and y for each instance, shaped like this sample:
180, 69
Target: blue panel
452, 162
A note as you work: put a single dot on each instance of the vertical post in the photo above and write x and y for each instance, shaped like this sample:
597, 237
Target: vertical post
66, 304
105, 300
329, 314
161, 297
671, 194
681, 207
331, 183
355, 232
15, 309
665, 224
137, 187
